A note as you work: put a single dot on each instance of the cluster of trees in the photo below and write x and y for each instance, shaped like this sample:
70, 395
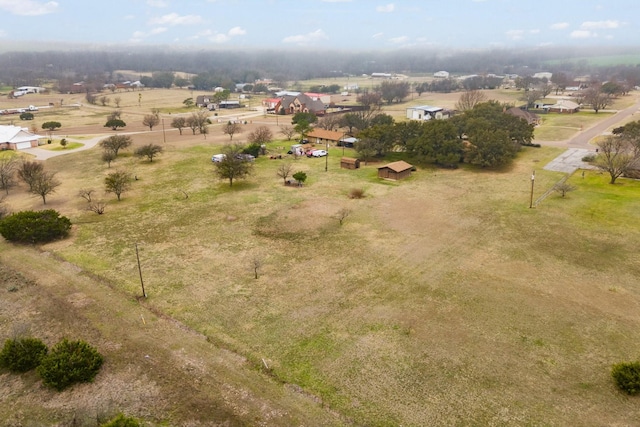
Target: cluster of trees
197, 122
40, 182
483, 135
33, 227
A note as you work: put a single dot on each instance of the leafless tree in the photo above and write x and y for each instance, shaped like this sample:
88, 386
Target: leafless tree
150, 120
28, 171
116, 143
261, 135
4, 209
470, 99
563, 188
342, 214
598, 99
179, 123
329, 122
108, 156
231, 128
8, 168
86, 193
117, 100
104, 100
256, 264
616, 156
288, 131
149, 151
45, 183
115, 114
97, 207
284, 171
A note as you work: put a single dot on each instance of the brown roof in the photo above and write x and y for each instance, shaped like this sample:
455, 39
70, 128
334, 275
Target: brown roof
349, 160
397, 166
325, 134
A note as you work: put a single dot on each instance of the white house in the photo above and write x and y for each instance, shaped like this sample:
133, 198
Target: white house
17, 138
31, 89
441, 74
427, 112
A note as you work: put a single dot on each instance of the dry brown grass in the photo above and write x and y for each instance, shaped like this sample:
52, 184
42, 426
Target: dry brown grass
442, 300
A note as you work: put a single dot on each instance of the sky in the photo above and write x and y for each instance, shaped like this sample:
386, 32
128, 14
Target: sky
324, 24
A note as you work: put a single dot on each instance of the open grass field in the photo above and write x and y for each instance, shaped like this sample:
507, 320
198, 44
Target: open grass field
441, 300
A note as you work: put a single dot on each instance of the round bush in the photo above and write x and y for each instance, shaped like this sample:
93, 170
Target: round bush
22, 355
35, 226
69, 362
121, 421
627, 376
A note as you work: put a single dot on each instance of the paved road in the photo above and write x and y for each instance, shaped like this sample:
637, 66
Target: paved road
578, 146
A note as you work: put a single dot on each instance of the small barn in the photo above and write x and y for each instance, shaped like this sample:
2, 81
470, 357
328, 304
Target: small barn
395, 170
349, 163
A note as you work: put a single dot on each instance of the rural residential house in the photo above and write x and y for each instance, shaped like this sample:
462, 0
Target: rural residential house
17, 138
301, 103
441, 74
427, 112
563, 106
396, 170
531, 118
322, 136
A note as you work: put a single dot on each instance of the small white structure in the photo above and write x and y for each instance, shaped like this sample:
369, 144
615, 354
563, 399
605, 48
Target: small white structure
426, 112
441, 74
543, 75
17, 138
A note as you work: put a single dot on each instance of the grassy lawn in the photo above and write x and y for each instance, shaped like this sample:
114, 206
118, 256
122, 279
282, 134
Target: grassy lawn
558, 127
441, 300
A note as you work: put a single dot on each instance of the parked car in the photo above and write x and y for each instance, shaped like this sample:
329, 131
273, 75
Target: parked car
246, 157
217, 158
319, 153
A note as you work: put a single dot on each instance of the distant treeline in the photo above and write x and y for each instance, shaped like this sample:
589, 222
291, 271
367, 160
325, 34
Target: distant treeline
224, 67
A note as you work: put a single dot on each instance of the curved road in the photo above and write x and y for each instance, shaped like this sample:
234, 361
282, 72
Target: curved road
578, 146
42, 154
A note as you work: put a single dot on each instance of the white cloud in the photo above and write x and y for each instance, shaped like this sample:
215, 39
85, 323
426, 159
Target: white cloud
138, 36
28, 7
336, 1
158, 30
158, 3
219, 38
600, 25
399, 40
515, 34
534, 31
377, 35
388, 8
237, 31
175, 19
305, 39
582, 34
559, 26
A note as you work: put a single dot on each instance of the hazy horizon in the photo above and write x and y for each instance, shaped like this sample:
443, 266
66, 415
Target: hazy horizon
361, 25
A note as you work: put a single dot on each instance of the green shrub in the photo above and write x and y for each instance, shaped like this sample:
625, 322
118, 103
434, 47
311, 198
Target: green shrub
627, 376
589, 158
35, 226
22, 355
121, 421
69, 362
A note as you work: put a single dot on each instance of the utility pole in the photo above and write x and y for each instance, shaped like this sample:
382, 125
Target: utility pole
326, 158
164, 136
144, 294
533, 180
